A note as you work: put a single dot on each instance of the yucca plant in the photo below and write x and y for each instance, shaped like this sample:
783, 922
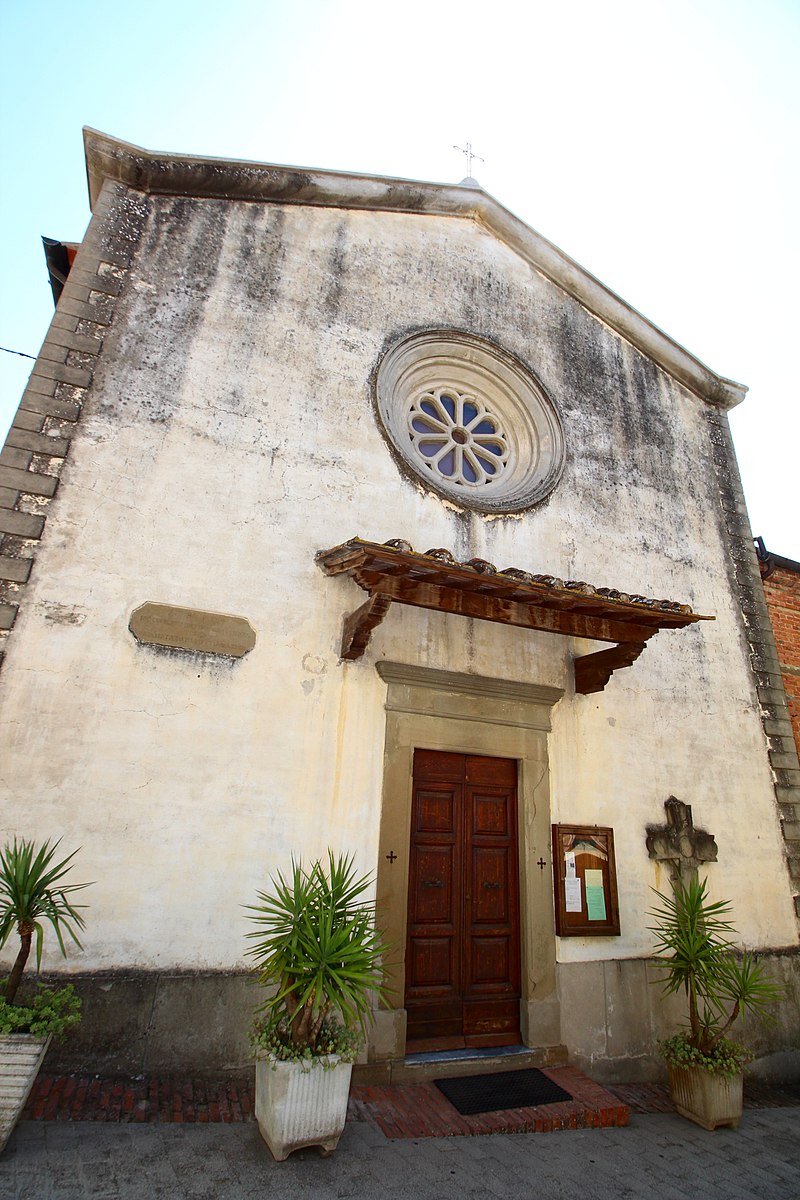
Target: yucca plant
700, 959
33, 891
315, 941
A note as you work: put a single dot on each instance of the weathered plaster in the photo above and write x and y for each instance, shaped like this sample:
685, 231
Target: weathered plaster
227, 436
111, 159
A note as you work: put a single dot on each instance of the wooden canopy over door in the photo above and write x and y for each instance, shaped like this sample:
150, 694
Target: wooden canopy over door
395, 573
462, 953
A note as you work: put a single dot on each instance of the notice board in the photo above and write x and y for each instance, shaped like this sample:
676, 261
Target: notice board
585, 881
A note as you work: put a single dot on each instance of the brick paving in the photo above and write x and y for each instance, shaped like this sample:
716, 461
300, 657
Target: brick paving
420, 1110
410, 1111
163, 1098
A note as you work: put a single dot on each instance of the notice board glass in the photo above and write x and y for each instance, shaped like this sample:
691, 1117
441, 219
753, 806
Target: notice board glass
585, 880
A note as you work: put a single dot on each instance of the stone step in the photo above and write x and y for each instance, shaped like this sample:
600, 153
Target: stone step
446, 1064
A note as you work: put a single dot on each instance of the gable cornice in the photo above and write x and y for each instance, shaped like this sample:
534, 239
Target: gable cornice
148, 171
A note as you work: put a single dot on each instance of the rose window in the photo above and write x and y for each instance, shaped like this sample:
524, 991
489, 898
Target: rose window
469, 420
457, 437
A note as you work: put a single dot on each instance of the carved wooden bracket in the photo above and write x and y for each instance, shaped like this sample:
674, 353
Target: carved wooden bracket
359, 625
593, 671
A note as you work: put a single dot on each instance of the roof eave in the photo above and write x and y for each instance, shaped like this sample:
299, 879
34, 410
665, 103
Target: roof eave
109, 158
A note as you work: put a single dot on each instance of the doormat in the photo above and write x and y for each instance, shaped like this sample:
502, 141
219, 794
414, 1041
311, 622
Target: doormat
509, 1089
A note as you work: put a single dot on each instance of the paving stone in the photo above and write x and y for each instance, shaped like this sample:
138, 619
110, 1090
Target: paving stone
658, 1157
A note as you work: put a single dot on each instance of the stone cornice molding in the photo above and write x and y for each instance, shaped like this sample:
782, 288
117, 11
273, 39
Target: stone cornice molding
482, 686
109, 158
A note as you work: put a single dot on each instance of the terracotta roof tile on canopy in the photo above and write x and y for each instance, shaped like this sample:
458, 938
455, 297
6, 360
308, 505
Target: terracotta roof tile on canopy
394, 571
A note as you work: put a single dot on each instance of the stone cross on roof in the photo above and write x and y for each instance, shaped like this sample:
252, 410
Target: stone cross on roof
678, 842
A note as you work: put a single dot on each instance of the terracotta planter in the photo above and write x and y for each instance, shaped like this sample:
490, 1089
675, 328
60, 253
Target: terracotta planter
299, 1105
707, 1099
21, 1056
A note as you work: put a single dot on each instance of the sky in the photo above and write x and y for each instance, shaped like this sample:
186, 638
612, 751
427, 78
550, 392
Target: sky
654, 142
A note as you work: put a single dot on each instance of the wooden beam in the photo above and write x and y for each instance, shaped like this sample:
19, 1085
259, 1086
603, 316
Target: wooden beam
360, 624
593, 671
510, 612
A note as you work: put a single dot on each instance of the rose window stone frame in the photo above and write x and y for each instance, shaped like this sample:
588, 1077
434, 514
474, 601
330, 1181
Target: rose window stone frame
470, 420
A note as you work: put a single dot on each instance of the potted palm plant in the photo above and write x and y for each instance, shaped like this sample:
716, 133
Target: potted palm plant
315, 947
721, 985
32, 891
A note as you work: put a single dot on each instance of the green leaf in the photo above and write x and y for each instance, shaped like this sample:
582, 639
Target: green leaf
315, 943
33, 890
48, 1011
697, 957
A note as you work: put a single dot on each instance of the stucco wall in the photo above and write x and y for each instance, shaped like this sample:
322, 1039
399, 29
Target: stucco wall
229, 435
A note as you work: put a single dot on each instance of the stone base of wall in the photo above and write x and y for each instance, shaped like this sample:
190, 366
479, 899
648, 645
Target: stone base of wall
139, 1023
612, 1015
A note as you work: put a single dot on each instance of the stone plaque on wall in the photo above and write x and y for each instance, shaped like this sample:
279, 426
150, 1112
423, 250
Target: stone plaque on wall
192, 629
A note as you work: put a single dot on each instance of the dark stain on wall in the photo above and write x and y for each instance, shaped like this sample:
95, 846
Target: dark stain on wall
627, 433
261, 252
336, 269
163, 305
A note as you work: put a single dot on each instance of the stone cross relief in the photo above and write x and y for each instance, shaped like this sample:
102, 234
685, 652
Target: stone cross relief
678, 843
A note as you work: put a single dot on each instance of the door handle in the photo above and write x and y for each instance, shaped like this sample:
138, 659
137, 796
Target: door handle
491, 887
433, 883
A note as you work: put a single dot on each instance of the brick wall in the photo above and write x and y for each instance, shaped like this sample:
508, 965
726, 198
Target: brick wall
744, 566
782, 590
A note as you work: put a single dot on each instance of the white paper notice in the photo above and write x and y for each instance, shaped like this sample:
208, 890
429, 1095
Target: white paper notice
569, 862
572, 894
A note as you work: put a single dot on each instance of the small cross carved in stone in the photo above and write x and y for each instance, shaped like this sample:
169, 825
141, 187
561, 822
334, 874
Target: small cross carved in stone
678, 842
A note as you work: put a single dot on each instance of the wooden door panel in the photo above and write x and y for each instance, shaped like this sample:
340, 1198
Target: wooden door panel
491, 963
492, 890
435, 811
500, 772
432, 964
432, 900
491, 972
462, 957
490, 815
436, 764
433, 957
491, 1024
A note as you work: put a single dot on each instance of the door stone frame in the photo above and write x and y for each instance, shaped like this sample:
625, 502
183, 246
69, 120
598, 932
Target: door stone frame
468, 714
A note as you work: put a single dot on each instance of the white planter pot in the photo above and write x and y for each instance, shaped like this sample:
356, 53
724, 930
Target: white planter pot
707, 1099
21, 1056
298, 1105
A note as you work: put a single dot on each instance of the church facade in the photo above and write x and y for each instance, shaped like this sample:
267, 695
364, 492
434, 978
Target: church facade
349, 512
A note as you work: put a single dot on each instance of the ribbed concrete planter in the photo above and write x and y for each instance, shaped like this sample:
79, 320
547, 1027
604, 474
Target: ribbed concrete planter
707, 1099
21, 1056
299, 1106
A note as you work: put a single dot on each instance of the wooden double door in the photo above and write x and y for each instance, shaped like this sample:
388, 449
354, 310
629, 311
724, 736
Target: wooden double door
462, 952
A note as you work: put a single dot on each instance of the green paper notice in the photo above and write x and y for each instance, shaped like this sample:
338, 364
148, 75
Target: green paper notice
595, 896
